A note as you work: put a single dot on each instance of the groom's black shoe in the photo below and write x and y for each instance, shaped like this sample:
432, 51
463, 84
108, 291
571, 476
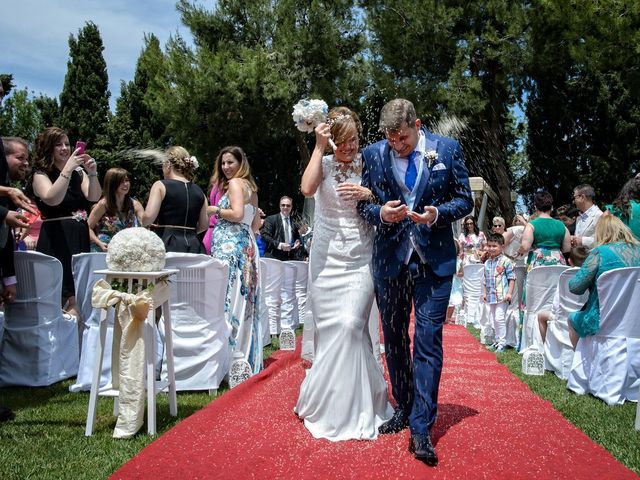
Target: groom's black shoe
397, 423
420, 445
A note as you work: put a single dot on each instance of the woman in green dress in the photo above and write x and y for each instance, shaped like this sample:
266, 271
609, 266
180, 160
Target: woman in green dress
627, 206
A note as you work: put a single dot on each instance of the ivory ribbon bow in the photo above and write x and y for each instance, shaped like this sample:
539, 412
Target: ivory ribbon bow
128, 356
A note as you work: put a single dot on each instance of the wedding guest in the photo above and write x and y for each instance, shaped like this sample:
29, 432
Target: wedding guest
544, 238
215, 193
568, 214
513, 239
497, 288
584, 197
177, 207
281, 234
63, 183
234, 244
471, 240
115, 211
615, 247
262, 246
626, 206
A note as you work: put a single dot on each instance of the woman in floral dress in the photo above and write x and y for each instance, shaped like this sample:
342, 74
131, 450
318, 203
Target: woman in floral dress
115, 211
471, 241
234, 243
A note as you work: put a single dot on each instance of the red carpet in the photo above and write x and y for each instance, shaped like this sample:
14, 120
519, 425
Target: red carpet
490, 425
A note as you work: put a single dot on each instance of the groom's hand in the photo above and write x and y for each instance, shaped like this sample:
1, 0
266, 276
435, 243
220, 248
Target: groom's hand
429, 216
393, 211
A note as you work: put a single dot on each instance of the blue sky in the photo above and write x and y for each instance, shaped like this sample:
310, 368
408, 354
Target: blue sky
34, 36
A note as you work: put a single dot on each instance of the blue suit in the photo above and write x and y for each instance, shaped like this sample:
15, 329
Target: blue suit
414, 264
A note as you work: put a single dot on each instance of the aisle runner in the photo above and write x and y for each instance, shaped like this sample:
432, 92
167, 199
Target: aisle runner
489, 425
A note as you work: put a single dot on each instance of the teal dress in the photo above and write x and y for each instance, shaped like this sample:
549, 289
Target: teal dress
631, 219
548, 234
601, 259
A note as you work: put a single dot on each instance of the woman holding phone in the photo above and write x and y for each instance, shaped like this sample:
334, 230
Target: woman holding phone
63, 183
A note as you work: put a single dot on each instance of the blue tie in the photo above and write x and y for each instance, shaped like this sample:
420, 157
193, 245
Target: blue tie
412, 172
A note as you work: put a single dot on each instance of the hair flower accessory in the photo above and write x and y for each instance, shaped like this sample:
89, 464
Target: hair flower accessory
193, 161
307, 114
79, 215
432, 157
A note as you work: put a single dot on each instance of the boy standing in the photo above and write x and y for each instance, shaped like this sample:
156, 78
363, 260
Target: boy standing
497, 288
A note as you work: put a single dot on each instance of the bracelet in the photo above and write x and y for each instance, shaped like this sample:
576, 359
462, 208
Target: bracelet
94, 174
64, 175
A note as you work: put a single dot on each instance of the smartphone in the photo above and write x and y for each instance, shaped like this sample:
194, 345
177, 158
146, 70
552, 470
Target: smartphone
80, 146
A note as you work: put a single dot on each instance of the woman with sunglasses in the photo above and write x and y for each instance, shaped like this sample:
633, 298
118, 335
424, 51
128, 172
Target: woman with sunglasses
471, 240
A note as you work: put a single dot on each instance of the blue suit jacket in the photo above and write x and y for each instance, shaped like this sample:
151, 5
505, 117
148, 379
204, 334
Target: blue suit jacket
445, 188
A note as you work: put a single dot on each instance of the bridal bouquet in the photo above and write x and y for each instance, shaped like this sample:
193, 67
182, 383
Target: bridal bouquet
307, 114
136, 250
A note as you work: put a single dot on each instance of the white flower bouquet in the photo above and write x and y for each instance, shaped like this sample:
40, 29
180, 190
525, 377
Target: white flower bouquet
307, 114
136, 250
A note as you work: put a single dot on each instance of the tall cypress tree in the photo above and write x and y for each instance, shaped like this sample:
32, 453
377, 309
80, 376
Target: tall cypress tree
84, 101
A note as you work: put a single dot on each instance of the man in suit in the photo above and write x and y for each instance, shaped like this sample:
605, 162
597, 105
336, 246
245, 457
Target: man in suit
280, 233
584, 196
422, 186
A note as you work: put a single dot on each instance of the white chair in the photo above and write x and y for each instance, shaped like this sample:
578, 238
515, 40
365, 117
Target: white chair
273, 271
302, 278
472, 291
541, 286
513, 311
289, 307
137, 282
607, 364
40, 343
200, 333
558, 351
264, 310
84, 266
1, 325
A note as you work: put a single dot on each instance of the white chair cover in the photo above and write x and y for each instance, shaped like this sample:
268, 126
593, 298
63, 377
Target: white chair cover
541, 286
302, 278
513, 311
273, 271
200, 333
1, 324
83, 265
264, 310
607, 364
289, 308
558, 351
472, 291
40, 343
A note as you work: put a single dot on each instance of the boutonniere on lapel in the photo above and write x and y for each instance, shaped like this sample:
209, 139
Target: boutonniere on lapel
431, 156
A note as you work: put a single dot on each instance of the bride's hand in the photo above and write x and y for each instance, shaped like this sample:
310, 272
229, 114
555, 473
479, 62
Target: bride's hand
323, 134
351, 191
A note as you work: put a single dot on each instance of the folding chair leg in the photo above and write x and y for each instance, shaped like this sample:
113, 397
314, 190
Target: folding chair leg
150, 354
168, 347
95, 381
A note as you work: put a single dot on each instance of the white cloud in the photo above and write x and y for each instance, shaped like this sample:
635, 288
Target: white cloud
35, 33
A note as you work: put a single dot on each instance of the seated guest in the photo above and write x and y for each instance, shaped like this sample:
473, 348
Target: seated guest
616, 247
115, 211
584, 197
577, 256
626, 206
513, 239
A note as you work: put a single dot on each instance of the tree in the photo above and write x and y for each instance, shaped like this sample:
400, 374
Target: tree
21, 117
461, 59
84, 101
583, 109
252, 61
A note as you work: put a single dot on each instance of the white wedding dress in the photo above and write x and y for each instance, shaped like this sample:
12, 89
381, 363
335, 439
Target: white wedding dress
344, 394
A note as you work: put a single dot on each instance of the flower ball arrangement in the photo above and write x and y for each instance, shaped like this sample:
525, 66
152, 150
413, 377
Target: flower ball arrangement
136, 250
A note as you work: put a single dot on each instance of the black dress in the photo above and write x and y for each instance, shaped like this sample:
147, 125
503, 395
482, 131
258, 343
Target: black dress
61, 236
178, 217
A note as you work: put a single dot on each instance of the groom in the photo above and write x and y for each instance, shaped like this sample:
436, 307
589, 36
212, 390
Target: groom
422, 186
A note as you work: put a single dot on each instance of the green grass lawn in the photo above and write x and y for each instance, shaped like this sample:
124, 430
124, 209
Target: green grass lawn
610, 426
46, 439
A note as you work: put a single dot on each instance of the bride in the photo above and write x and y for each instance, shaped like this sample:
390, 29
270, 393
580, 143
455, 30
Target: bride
344, 394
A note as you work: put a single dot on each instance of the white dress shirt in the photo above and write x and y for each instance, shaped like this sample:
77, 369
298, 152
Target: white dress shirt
586, 225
